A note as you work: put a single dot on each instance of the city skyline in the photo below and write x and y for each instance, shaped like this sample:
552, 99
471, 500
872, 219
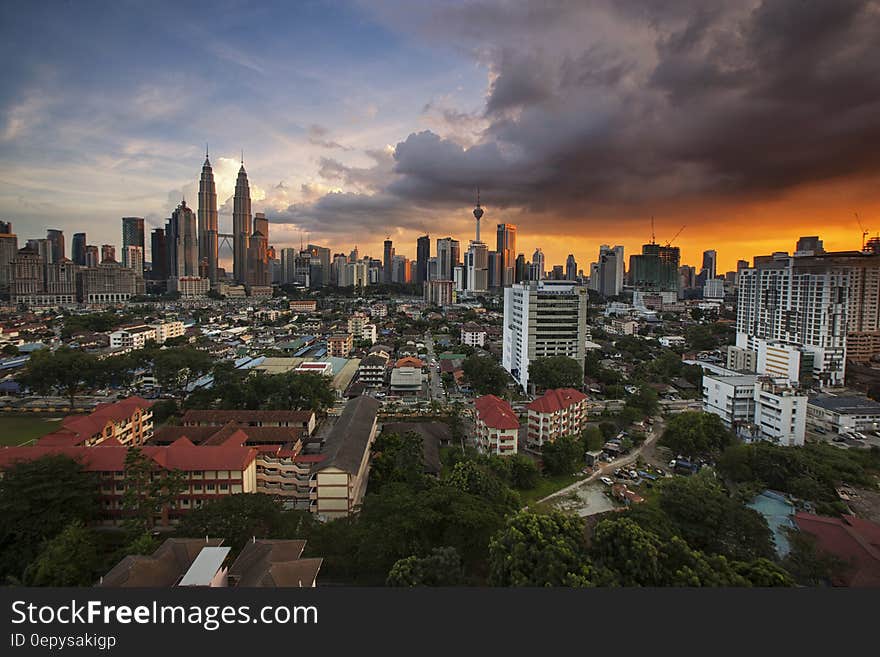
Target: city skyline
601, 118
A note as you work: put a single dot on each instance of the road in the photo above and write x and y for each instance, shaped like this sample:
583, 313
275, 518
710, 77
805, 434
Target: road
435, 383
656, 430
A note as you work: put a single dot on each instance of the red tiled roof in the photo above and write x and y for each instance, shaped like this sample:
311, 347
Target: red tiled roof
854, 540
409, 361
75, 429
555, 400
496, 413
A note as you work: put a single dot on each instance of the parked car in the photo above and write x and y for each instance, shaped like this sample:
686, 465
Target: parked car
606, 480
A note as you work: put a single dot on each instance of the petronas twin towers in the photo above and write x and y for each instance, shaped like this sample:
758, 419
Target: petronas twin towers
244, 269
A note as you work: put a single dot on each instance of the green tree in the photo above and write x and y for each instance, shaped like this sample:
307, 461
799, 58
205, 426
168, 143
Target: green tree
69, 559
442, 567
397, 458
67, 370
176, 368
592, 439
485, 375
556, 372
149, 490
696, 434
238, 518
524, 474
562, 456
38, 499
538, 550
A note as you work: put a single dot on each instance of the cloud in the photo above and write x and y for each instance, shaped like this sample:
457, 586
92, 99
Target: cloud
317, 136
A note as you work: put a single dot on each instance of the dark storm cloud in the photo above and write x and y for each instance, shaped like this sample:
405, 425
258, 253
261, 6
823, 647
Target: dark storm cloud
600, 104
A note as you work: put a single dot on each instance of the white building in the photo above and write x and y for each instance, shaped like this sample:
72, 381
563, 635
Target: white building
757, 408
843, 413
189, 286
473, 335
132, 337
496, 426
555, 414
784, 361
672, 340
713, 289
797, 301
167, 330
541, 319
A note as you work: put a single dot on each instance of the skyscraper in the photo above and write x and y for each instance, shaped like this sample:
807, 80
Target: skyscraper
318, 265
132, 232
56, 241
158, 255
537, 271
182, 242
8, 250
241, 225
448, 257
505, 246
258, 257
78, 249
477, 258
423, 252
208, 222
92, 258
655, 270
133, 258
387, 261
108, 253
571, 268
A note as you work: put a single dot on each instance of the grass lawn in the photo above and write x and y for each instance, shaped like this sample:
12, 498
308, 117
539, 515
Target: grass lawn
547, 486
18, 429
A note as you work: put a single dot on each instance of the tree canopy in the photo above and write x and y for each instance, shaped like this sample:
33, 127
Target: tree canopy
485, 375
696, 434
556, 372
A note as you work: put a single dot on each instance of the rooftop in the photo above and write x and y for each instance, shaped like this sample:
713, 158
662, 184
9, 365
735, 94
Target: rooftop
556, 400
845, 404
496, 412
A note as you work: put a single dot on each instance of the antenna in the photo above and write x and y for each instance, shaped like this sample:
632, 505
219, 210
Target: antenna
864, 232
652, 230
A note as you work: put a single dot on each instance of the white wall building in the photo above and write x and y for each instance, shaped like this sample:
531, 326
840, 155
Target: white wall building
541, 319
473, 335
496, 426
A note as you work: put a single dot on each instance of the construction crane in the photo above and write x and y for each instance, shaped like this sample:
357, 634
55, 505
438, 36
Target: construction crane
652, 230
669, 243
864, 232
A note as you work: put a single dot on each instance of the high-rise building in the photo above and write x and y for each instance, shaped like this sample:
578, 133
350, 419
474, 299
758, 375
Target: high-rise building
537, 271
542, 319
241, 225
92, 257
448, 257
610, 270
798, 301
108, 253
132, 233
78, 249
710, 264
8, 250
388, 256
108, 283
656, 269
423, 253
476, 261
505, 246
810, 245
56, 240
158, 255
571, 268
181, 238
521, 269
258, 257
495, 276
319, 266
133, 258
208, 220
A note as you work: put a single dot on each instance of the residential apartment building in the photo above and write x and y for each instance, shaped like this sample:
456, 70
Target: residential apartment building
556, 413
372, 370
473, 335
128, 422
132, 337
543, 318
340, 345
496, 426
108, 282
439, 292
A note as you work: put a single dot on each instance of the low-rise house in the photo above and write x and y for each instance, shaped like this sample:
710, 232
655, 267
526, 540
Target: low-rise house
496, 426
556, 413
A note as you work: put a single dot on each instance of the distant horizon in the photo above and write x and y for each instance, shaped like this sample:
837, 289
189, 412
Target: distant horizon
750, 124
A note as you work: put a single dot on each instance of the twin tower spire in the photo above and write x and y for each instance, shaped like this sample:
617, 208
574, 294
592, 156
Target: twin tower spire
208, 221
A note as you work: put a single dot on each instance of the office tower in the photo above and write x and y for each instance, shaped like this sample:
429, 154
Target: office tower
400, 269
521, 270
505, 246
108, 253
537, 270
557, 273
448, 256
133, 258
801, 303
8, 250
108, 282
439, 292
241, 225
158, 255
208, 220
713, 289
810, 245
56, 240
258, 257
182, 243
28, 274
571, 268
687, 277
423, 253
132, 232
610, 263
710, 264
433, 268
388, 253
595, 282
495, 277
92, 257
288, 266
655, 271
541, 319
78, 249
